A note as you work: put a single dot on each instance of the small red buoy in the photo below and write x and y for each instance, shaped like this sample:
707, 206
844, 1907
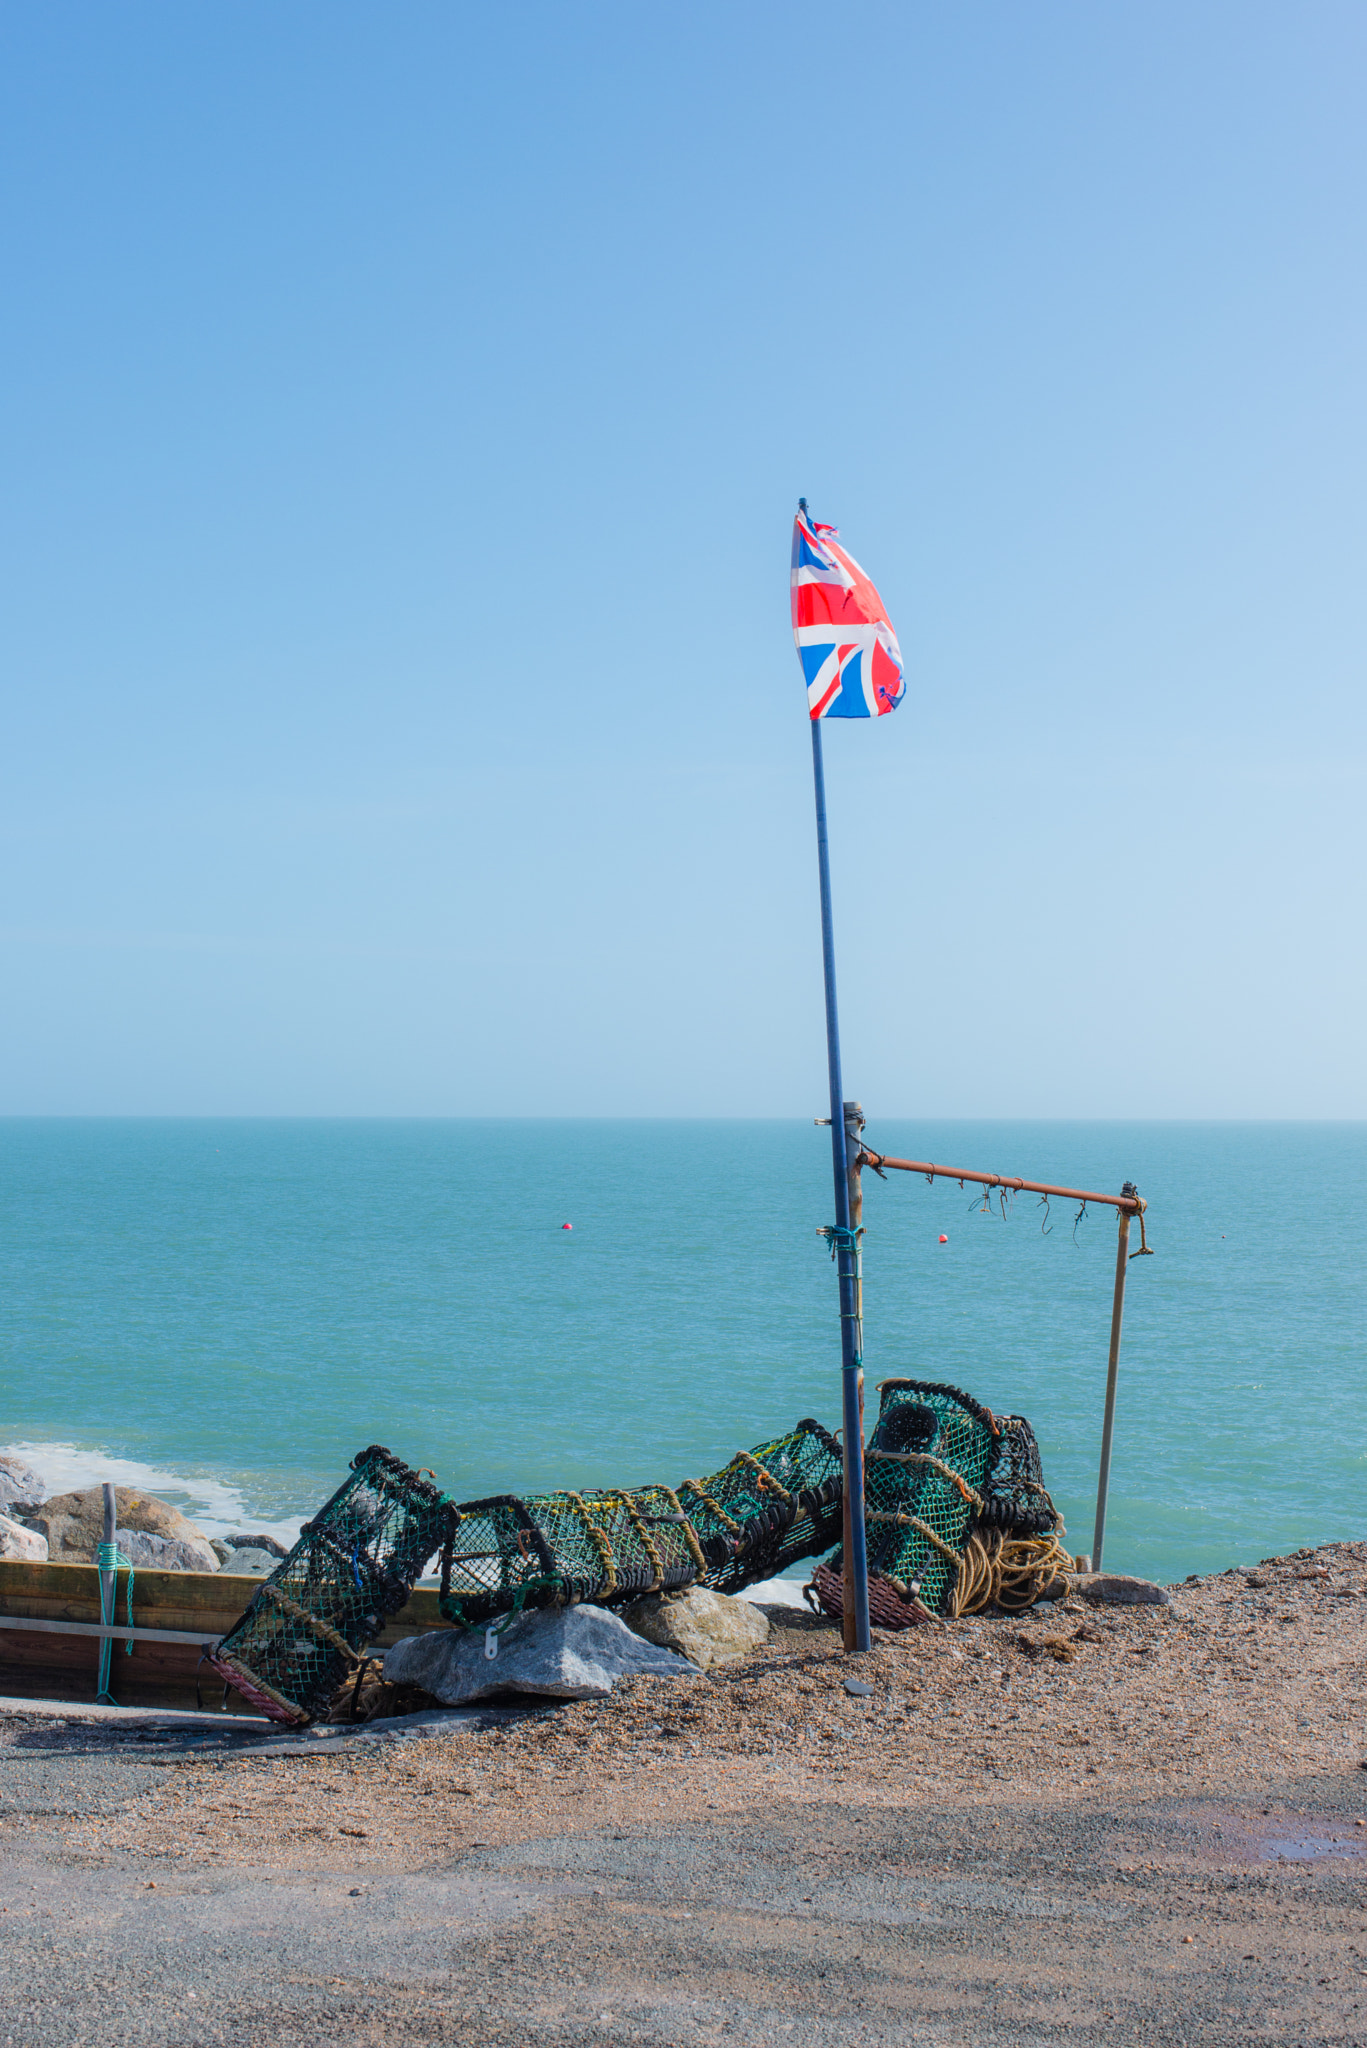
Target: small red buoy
943, 1238
567, 1226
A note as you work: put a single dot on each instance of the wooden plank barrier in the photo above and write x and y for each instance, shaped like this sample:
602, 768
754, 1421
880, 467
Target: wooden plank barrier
46, 1664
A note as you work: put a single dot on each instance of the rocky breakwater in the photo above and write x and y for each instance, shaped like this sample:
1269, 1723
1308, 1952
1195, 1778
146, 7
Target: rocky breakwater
68, 1528
22, 1492
151, 1535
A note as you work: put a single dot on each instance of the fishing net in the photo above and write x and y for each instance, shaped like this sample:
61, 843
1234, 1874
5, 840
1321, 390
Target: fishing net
354, 1565
297, 1649
956, 1514
766, 1509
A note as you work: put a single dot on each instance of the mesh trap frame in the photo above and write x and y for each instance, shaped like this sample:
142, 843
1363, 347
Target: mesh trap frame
940, 1469
766, 1509
354, 1565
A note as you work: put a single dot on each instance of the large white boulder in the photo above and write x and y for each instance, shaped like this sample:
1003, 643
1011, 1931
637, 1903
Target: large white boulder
19, 1545
706, 1627
566, 1653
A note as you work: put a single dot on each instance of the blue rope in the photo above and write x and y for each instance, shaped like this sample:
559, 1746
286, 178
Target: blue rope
108, 1559
840, 1239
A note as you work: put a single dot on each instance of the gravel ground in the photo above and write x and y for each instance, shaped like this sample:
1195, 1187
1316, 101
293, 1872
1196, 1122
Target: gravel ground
1089, 1824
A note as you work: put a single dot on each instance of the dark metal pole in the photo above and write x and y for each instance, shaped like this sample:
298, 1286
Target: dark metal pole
846, 1255
1122, 1260
109, 1584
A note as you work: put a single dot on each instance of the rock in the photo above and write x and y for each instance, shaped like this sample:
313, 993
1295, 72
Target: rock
250, 1563
19, 1545
706, 1627
74, 1523
220, 1551
20, 1485
1103, 1588
566, 1653
146, 1552
268, 1543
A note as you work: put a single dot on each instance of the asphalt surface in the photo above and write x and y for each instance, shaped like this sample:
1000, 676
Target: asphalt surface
1163, 1920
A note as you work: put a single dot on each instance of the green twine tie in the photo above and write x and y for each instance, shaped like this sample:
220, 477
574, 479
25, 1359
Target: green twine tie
109, 1559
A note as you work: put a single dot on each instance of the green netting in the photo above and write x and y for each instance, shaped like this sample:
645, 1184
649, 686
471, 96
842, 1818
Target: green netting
354, 1565
764, 1510
1015, 1497
357, 1561
924, 1471
957, 1514
769, 1508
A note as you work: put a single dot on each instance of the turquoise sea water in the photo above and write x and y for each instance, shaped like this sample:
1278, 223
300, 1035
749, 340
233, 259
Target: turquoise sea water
229, 1310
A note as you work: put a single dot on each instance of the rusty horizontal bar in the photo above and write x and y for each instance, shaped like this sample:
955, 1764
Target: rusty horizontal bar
1133, 1205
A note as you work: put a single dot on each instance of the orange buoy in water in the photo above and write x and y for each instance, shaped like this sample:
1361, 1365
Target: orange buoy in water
943, 1238
567, 1226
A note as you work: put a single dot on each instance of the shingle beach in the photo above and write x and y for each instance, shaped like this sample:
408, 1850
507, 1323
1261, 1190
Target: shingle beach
1084, 1824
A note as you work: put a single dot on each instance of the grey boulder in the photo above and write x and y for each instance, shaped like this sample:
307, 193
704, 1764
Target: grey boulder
20, 1485
247, 1561
1116, 1589
239, 1541
569, 1653
146, 1552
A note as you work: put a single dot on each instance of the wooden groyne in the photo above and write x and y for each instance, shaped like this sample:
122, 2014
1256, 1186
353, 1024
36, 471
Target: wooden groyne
175, 1614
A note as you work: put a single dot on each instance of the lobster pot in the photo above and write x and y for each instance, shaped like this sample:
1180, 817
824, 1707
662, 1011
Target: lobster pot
767, 1508
355, 1564
509, 1552
924, 1471
1016, 1501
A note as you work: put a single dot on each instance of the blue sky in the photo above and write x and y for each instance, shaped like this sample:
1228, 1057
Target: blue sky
403, 414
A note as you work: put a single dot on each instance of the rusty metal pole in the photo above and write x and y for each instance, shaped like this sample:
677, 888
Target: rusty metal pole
854, 1158
1122, 1260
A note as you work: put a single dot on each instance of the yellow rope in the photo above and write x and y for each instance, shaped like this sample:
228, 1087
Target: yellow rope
690, 1534
973, 1587
936, 1465
1008, 1572
599, 1539
321, 1629
922, 1529
766, 1479
647, 1540
718, 1510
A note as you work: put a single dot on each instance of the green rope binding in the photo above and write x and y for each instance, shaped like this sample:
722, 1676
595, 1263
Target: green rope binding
108, 1561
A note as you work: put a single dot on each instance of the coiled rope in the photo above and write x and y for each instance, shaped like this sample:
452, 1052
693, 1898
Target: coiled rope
1008, 1572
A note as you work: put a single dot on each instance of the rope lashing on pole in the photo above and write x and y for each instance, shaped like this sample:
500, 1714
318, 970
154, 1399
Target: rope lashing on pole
109, 1562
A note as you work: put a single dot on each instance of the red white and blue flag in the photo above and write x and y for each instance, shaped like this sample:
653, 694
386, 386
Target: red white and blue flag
845, 641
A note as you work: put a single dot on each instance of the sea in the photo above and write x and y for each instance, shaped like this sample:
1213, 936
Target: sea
225, 1312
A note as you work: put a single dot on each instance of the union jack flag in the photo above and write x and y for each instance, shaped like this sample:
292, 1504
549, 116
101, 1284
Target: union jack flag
845, 641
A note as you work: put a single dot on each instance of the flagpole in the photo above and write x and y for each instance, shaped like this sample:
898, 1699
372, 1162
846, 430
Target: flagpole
846, 1246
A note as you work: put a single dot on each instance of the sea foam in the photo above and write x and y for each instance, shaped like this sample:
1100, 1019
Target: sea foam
214, 1505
